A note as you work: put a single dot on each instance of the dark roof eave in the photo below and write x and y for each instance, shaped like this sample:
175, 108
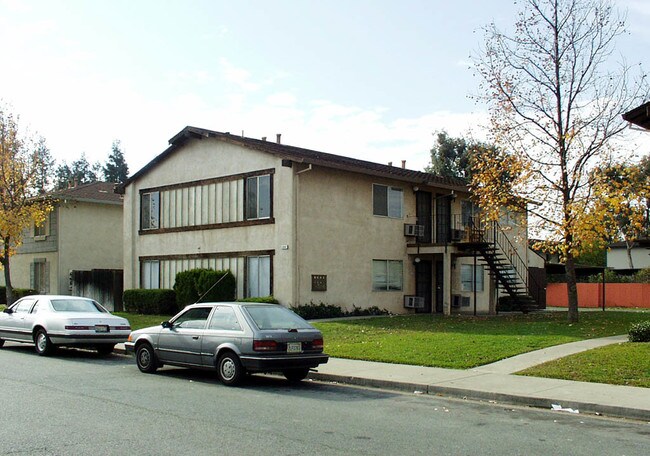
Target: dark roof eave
639, 116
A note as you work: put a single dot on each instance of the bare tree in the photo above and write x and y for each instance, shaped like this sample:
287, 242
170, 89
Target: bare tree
555, 101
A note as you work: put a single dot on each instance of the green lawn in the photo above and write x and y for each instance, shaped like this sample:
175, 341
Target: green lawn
620, 364
142, 321
463, 342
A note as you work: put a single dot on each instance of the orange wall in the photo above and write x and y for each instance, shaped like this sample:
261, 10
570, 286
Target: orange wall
591, 295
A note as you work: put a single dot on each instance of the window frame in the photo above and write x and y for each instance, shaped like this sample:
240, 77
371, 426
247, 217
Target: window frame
393, 208
254, 213
259, 287
391, 282
146, 276
473, 283
152, 207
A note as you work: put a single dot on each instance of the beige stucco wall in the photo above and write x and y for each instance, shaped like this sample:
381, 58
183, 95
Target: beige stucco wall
90, 237
20, 270
207, 159
339, 236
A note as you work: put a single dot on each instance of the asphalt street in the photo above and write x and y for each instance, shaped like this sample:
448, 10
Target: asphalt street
78, 403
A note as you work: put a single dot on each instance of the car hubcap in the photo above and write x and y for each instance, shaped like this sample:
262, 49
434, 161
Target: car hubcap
145, 358
41, 342
228, 369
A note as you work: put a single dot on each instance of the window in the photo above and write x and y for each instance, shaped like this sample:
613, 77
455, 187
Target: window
258, 197
150, 211
468, 211
387, 275
193, 318
150, 272
387, 201
40, 276
470, 276
224, 318
23, 306
40, 230
258, 275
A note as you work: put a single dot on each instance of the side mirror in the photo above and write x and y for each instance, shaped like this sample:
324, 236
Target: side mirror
8, 311
166, 324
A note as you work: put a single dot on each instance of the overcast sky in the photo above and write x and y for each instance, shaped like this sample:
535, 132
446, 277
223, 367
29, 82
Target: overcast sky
367, 79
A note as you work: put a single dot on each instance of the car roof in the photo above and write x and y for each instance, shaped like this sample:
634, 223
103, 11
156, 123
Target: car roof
54, 297
231, 303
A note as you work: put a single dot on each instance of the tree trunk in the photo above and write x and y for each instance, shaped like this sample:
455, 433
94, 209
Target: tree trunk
572, 288
5, 263
628, 247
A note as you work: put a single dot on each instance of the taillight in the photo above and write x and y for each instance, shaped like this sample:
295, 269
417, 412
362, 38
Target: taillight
78, 328
265, 345
317, 344
122, 328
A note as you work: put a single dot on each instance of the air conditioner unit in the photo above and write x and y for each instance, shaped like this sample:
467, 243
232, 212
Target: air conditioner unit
413, 230
455, 301
457, 235
413, 302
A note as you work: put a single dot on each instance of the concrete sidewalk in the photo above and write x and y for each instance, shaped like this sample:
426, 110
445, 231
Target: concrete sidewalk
495, 382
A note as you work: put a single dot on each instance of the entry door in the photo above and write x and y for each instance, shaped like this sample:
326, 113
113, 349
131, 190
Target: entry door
423, 211
443, 219
423, 284
440, 286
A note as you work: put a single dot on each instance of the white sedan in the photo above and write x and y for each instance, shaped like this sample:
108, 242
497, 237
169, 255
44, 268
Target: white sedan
51, 321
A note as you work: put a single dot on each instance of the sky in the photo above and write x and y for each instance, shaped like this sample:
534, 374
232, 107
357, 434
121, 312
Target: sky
369, 79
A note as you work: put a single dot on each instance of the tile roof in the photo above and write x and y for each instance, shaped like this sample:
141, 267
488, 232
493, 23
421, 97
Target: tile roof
97, 192
306, 156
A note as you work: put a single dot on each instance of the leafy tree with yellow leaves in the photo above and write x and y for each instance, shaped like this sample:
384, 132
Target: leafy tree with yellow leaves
20, 165
621, 205
555, 105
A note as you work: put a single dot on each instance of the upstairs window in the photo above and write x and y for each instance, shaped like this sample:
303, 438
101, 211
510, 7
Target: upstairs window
387, 201
150, 211
258, 197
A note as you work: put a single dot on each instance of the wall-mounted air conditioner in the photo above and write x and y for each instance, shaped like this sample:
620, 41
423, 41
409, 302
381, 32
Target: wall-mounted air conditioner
456, 301
457, 235
413, 302
413, 230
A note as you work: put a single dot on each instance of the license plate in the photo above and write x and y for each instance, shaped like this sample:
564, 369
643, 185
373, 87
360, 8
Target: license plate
294, 347
101, 328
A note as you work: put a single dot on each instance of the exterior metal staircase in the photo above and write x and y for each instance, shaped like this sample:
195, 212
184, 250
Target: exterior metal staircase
504, 262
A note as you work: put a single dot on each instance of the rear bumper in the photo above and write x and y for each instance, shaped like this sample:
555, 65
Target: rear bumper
79, 339
279, 363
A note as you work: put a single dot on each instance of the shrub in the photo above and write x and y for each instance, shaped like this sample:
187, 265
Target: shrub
313, 311
642, 276
150, 302
193, 284
640, 332
262, 299
18, 293
508, 304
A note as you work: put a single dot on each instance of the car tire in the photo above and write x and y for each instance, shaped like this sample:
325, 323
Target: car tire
42, 343
105, 349
2, 342
296, 375
230, 369
146, 358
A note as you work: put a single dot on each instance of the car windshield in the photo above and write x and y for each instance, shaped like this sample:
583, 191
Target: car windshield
77, 305
266, 317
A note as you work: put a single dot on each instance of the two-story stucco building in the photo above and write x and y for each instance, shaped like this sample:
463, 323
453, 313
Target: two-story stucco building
306, 226
82, 233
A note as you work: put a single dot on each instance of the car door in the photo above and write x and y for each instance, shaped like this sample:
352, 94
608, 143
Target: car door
181, 342
223, 328
16, 325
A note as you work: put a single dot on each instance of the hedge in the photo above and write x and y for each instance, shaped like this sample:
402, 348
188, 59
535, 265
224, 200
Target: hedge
150, 302
195, 284
18, 293
261, 299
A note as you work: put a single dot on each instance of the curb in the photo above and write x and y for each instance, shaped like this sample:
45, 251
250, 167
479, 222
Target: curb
586, 408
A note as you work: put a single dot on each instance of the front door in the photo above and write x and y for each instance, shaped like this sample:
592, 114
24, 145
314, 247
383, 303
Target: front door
440, 286
423, 284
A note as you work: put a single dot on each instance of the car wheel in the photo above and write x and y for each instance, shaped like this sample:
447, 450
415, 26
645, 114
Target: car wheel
105, 349
43, 344
146, 358
229, 369
296, 375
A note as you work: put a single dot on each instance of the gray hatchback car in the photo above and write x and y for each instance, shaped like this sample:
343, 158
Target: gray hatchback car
234, 339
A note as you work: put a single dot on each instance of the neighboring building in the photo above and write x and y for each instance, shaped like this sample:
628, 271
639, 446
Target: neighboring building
306, 226
618, 260
639, 116
82, 233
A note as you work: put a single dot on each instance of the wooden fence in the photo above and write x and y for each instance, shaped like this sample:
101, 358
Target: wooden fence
591, 295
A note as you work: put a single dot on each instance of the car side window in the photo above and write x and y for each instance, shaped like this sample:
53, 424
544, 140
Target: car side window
36, 307
23, 306
224, 318
194, 318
